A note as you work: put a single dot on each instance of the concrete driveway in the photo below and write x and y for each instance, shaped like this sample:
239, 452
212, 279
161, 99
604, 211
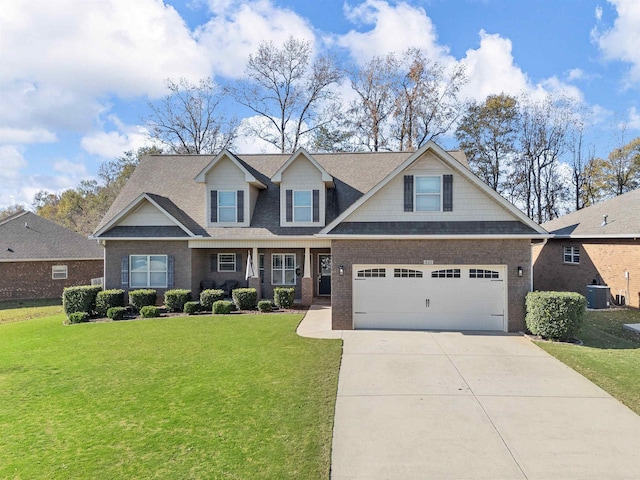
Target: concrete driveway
444, 405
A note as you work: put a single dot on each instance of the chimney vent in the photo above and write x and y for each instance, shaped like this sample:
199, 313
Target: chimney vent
604, 220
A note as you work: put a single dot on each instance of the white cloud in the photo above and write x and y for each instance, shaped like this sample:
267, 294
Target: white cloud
633, 123
12, 162
33, 135
598, 13
112, 144
622, 41
395, 28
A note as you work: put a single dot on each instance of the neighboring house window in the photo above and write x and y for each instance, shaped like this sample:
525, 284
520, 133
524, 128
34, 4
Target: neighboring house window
427, 194
59, 272
283, 269
226, 262
261, 257
227, 206
572, 255
148, 271
302, 206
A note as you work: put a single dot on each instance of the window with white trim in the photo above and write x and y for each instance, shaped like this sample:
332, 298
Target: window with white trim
148, 271
372, 273
283, 269
227, 206
447, 273
302, 206
406, 273
59, 272
572, 255
428, 194
261, 267
481, 273
226, 262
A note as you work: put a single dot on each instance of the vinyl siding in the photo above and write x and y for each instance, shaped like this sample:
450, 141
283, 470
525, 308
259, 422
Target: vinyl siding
226, 176
301, 174
146, 214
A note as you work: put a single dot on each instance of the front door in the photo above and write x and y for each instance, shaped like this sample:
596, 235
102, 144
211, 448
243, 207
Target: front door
324, 274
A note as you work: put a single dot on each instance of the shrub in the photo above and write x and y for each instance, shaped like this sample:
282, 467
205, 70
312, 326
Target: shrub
245, 298
116, 313
174, 300
78, 317
191, 308
107, 299
80, 299
208, 297
150, 311
555, 315
264, 306
283, 297
222, 307
142, 298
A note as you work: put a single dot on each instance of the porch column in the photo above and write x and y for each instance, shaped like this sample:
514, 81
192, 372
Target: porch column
254, 282
307, 279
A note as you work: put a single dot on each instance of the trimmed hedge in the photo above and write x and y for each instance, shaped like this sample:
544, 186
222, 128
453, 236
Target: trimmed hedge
78, 317
245, 298
265, 306
222, 307
555, 315
150, 311
209, 297
80, 299
191, 308
107, 299
283, 297
174, 300
116, 313
142, 298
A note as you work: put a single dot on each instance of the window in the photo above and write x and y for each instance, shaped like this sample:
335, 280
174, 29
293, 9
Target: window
372, 273
480, 273
283, 269
448, 273
302, 206
406, 273
59, 272
261, 267
148, 271
428, 194
226, 262
572, 255
227, 207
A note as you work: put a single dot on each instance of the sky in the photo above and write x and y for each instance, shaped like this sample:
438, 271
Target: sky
76, 76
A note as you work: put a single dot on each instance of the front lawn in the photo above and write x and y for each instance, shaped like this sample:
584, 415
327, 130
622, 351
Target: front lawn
610, 356
233, 397
19, 310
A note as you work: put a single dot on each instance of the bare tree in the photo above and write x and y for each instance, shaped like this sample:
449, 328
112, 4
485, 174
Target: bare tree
621, 171
487, 133
288, 91
11, 210
190, 120
582, 169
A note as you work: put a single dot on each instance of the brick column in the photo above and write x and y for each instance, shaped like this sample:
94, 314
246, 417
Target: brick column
254, 282
307, 290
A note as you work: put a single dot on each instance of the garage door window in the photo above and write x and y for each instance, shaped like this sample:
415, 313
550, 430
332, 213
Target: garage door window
480, 273
372, 273
406, 273
447, 273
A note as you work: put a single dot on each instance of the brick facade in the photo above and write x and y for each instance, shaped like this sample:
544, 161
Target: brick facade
512, 253
608, 259
31, 280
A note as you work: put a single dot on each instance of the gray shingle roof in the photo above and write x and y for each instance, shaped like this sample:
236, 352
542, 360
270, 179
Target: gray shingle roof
27, 236
433, 228
623, 218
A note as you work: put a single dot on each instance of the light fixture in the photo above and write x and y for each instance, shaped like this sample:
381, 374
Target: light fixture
520, 272
341, 270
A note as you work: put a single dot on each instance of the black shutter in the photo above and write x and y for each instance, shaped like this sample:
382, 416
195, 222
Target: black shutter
408, 193
214, 263
316, 205
238, 262
447, 191
289, 205
170, 270
240, 206
124, 279
214, 206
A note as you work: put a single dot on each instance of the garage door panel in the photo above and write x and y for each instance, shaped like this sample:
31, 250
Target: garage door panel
440, 298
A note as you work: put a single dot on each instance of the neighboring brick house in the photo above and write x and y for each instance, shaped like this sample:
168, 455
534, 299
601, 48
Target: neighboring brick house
598, 244
38, 258
409, 240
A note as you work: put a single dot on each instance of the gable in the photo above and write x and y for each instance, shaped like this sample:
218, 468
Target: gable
146, 214
296, 162
225, 174
301, 173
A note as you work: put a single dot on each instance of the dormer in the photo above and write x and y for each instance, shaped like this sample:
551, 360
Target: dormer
231, 191
303, 191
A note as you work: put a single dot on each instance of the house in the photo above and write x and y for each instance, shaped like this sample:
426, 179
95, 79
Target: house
409, 240
599, 244
38, 258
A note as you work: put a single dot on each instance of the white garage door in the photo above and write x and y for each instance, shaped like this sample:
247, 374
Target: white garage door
433, 297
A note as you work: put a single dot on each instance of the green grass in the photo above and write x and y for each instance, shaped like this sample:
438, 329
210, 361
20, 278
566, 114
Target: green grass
20, 310
610, 356
234, 397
